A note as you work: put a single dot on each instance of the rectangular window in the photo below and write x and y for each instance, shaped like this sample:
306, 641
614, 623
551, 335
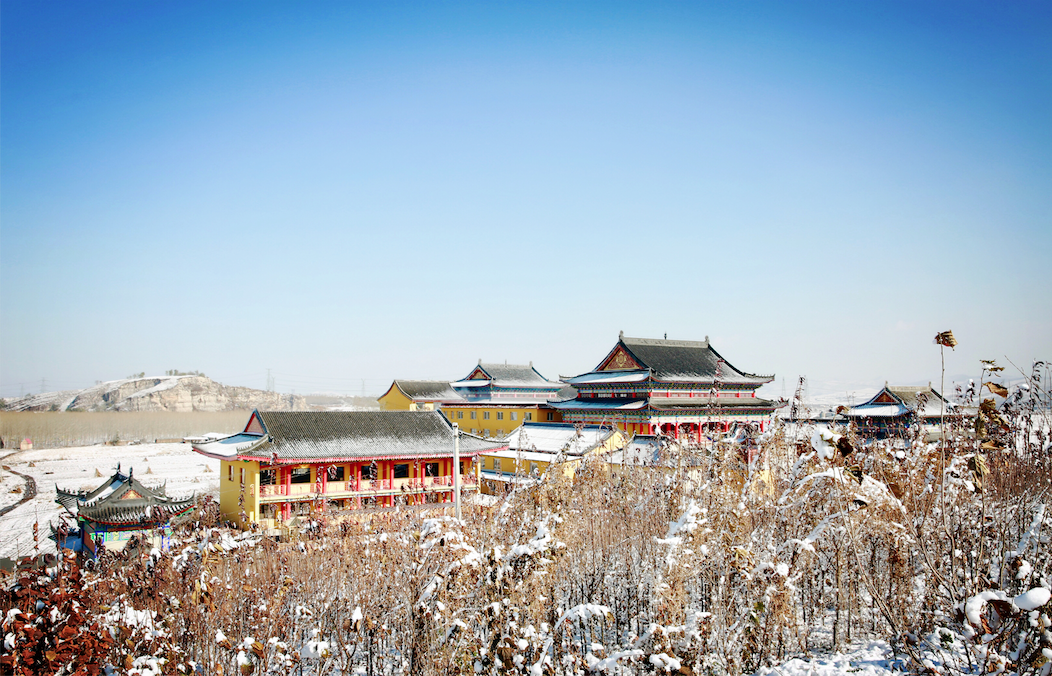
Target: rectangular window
460, 415
301, 475
500, 415
268, 477
230, 472
430, 469
465, 466
527, 416
369, 472
473, 414
485, 415
551, 416
401, 470
514, 415
533, 468
242, 476
336, 473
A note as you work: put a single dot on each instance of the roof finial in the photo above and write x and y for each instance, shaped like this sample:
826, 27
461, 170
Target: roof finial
531, 363
480, 361
620, 335
706, 340
666, 336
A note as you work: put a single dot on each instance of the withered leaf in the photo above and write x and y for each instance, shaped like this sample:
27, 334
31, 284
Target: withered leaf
997, 389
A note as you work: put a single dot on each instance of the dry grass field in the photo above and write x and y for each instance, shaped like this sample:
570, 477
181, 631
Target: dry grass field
60, 429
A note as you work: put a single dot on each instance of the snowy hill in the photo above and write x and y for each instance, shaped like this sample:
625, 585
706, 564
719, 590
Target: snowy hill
164, 393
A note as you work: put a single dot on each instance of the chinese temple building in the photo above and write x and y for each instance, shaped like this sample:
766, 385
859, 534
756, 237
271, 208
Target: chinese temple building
682, 389
894, 411
497, 398
120, 508
289, 463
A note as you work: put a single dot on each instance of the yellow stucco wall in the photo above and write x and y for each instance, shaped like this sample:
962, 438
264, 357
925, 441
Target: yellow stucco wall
496, 421
394, 400
233, 475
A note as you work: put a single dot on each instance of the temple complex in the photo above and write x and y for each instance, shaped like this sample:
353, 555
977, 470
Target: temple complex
679, 388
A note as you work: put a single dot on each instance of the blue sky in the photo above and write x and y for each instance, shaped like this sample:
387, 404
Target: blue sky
351, 192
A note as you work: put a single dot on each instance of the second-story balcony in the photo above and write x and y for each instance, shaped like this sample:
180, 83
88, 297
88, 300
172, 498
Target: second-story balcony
363, 488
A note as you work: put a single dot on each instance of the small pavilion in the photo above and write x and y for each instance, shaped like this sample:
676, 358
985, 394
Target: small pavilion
120, 508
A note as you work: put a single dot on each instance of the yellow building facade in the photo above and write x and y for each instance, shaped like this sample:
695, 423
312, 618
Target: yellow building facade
294, 463
497, 421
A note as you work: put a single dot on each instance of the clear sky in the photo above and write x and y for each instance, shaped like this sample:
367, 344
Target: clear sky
347, 192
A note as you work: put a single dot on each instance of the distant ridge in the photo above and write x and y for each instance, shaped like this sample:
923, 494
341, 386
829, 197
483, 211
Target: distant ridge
181, 394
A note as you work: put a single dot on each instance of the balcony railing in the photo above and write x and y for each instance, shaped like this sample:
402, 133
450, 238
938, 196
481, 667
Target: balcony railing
364, 486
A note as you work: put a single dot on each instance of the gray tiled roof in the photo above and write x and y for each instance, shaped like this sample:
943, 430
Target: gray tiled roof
427, 389
516, 375
294, 435
685, 360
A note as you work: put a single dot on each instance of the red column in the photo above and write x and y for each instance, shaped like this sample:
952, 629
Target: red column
288, 480
697, 427
324, 479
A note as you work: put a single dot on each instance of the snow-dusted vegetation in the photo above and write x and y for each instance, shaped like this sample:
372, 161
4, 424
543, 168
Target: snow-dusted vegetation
919, 557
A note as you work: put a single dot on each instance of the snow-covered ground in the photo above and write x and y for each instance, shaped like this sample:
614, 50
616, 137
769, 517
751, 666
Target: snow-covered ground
76, 468
871, 659
9, 483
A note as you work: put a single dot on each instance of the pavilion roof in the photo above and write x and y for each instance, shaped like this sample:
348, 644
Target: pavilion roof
122, 499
